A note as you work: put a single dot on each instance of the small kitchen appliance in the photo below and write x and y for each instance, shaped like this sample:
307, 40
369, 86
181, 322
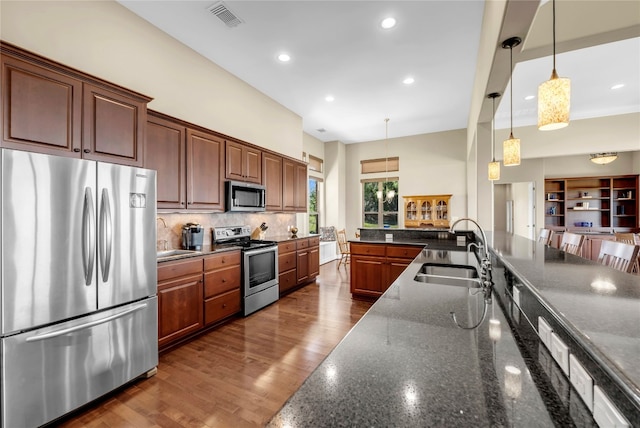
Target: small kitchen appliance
192, 234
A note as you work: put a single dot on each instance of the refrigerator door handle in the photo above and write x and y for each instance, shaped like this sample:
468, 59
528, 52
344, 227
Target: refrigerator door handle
88, 236
64, 331
106, 235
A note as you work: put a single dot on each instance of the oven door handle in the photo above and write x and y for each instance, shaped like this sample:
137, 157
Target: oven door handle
255, 251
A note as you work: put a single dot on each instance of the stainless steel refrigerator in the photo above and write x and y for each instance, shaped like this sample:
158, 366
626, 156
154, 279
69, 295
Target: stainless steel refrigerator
78, 282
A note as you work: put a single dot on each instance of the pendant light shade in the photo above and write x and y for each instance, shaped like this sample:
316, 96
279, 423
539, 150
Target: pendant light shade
511, 151
511, 147
554, 95
494, 167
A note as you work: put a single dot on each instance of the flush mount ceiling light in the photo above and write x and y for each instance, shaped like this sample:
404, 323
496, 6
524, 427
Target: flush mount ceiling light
408, 80
618, 86
283, 57
529, 97
388, 23
329, 98
604, 158
511, 147
494, 167
554, 95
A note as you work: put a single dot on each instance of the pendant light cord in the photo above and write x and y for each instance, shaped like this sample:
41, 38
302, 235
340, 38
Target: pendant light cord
554, 34
493, 131
511, 91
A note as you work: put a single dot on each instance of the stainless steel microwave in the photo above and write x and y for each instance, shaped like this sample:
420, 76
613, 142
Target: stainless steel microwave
242, 196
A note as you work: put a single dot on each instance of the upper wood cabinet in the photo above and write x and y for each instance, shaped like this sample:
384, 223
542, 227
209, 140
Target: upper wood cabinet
205, 188
189, 164
294, 182
165, 151
426, 211
272, 180
49, 108
243, 163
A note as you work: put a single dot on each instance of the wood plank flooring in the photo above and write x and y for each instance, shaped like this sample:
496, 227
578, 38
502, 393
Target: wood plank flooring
242, 373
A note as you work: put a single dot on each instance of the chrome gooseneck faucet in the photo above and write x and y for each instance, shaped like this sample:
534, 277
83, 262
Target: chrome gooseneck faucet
485, 272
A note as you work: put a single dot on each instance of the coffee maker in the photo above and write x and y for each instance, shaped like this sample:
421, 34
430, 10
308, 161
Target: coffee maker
192, 234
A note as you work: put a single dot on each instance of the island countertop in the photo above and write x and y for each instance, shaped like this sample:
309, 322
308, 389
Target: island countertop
406, 364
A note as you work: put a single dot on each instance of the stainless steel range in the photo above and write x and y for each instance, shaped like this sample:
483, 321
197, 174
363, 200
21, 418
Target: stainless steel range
259, 266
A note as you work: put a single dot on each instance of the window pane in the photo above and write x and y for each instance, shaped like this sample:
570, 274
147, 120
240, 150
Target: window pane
313, 223
390, 219
371, 220
370, 196
393, 204
313, 196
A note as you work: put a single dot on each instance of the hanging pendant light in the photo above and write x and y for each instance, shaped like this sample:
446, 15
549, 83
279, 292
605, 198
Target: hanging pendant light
554, 95
390, 193
494, 167
511, 147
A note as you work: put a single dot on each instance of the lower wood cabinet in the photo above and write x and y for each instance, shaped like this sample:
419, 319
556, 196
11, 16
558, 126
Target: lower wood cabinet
298, 262
374, 266
179, 300
221, 286
196, 293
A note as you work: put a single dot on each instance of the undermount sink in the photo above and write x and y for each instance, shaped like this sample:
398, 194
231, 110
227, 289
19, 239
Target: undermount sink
173, 253
448, 274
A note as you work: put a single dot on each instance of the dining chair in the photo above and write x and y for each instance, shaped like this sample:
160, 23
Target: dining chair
545, 236
618, 255
343, 245
633, 239
571, 243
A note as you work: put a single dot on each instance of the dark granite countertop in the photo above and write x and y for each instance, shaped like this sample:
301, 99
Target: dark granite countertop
207, 250
405, 363
283, 238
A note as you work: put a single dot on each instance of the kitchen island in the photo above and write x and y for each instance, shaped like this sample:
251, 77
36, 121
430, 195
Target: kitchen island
407, 364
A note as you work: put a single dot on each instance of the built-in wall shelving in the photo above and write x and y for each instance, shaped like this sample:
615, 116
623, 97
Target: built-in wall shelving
592, 203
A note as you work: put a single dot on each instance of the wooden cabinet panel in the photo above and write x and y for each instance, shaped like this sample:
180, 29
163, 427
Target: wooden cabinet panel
403, 251
302, 266
286, 247
287, 261
221, 280
426, 211
41, 109
368, 249
222, 306
114, 127
179, 268
272, 181
395, 268
314, 261
243, 163
179, 308
205, 188
287, 280
302, 243
294, 184
368, 275
165, 151
221, 261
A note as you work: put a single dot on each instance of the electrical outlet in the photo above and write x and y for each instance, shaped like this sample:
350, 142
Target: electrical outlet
605, 413
544, 331
581, 381
516, 296
560, 353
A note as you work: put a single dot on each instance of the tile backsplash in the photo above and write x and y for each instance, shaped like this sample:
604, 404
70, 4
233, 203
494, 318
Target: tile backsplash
278, 224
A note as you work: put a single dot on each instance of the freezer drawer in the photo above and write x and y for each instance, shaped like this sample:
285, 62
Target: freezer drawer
48, 372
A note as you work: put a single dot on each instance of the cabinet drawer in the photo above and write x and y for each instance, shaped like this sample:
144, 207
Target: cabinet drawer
221, 306
367, 249
314, 242
221, 281
404, 252
223, 260
302, 243
286, 262
287, 280
169, 270
286, 247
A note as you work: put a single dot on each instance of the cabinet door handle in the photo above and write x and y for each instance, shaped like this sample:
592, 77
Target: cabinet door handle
224, 305
76, 150
87, 151
224, 280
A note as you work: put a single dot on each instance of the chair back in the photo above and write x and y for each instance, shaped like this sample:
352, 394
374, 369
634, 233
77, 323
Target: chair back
618, 255
545, 236
627, 238
572, 243
342, 241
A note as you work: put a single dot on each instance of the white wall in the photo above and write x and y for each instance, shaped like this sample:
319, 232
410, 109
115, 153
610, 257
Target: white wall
580, 165
336, 185
430, 164
107, 40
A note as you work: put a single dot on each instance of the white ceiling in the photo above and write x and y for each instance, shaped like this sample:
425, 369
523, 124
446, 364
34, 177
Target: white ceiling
339, 49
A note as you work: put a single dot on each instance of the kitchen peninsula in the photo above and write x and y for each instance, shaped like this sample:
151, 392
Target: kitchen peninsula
406, 363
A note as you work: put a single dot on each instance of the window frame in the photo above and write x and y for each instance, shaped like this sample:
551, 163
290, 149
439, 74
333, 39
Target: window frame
381, 212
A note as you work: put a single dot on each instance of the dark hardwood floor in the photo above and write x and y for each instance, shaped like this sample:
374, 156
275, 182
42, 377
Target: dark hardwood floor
242, 373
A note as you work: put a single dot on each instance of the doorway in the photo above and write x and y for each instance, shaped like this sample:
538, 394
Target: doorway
514, 208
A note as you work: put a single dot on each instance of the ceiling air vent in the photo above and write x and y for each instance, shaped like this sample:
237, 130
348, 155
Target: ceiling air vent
221, 10
321, 130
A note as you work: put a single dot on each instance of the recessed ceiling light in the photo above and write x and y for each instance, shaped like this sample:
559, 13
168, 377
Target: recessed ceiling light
388, 23
529, 97
618, 86
408, 80
329, 98
284, 57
